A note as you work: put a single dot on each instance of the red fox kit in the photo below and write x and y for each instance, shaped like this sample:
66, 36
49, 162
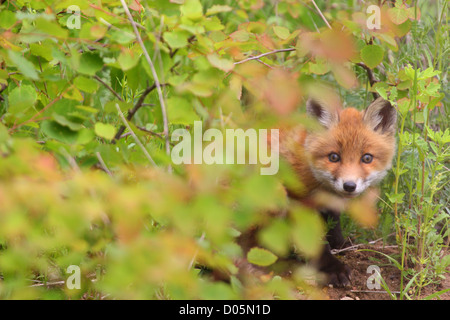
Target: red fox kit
351, 154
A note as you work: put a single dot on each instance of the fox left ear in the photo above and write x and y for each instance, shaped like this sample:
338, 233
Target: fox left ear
380, 115
325, 114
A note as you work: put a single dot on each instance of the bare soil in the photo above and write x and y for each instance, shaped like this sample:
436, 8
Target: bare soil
360, 261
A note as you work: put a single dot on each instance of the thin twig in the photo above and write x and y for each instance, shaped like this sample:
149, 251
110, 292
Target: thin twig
40, 111
202, 237
155, 77
321, 14
356, 246
265, 54
71, 160
49, 284
125, 122
132, 112
153, 133
373, 291
103, 164
2, 88
107, 86
262, 62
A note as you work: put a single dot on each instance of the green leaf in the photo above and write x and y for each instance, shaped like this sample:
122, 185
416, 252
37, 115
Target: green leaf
121, 36
240, 35
213, 24
192, 9
64, 121
86, 84
7, 19
105, 130
402, 29
64, 4
397, 15
217, 8
281, 32
395, 262
321, 66
261, 257
372, 55
54, 130
51, 28
180, 111
176, 39
24, 66
21, 98
396, 198
276, 237
90, 63
85, 136
43, 50
220, 63
428, 73
308, 231
436, 294
127, 59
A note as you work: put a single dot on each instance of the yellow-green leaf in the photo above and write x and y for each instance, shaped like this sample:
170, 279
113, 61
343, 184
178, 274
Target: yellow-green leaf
372, 55
176, 39
308, 231
220, 63
281, 32
397, 15
105, 130
217, 8
192, 9
180, 111
21, 98
24, 66
51, 28
261, 257
127, 59
86, 84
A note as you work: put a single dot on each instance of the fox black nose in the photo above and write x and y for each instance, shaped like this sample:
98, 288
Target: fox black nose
349, 186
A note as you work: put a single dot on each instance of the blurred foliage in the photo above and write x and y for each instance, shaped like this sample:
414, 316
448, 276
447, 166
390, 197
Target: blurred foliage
76, 188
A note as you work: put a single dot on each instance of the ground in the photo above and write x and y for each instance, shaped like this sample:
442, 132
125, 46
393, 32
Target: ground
360, 261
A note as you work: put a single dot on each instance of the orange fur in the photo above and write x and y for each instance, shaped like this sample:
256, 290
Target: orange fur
349, 133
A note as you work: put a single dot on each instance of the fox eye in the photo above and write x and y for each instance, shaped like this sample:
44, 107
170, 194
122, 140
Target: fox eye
334, 157
367, 158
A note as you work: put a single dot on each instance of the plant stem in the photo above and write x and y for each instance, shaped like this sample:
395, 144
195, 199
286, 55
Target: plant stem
321, 14
155, 78
125, 122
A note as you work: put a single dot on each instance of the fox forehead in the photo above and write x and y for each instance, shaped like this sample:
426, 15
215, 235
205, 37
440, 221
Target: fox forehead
351, 138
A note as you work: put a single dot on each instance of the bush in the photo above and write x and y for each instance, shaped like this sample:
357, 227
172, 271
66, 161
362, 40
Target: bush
90, 97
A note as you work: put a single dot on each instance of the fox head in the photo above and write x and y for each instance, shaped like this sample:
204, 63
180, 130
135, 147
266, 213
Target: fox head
356, 148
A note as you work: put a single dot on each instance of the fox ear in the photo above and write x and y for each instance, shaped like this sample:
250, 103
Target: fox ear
324, 114
380, 115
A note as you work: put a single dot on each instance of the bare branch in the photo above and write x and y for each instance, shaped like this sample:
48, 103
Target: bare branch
103, 164
371, 77
321, 14
132, 112
107, 86
265, 54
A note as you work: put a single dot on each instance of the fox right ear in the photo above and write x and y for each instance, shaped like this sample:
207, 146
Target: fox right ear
380, 115
324, 114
